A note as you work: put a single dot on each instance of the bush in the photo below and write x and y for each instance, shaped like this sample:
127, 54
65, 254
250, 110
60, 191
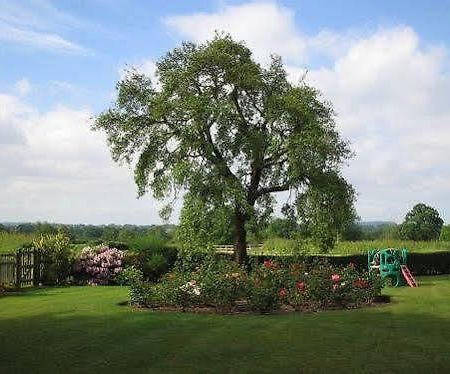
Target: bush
222, 284
266, 287
99, 265
130, 275
152, 265
55, 256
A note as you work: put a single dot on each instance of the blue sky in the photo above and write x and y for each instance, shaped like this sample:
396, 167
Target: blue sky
385, 66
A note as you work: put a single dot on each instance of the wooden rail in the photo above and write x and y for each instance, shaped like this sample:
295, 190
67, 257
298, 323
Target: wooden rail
229, 248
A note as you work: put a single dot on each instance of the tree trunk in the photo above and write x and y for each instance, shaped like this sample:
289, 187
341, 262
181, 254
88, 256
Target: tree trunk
240, 245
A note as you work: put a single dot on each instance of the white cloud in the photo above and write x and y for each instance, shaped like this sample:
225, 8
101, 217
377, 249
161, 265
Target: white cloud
259, 24
389, 89
54, 168
41, 40
38, 25
23, 87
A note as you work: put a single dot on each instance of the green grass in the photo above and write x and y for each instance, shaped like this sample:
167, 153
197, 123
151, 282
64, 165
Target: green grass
82, 329
344, 248
284, 246
9, 242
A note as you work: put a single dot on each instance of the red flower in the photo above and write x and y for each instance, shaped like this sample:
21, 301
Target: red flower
282, 293
335, 277
268, 264
361, 283
301, 286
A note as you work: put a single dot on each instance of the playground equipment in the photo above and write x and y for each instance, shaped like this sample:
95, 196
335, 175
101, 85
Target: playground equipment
390, 263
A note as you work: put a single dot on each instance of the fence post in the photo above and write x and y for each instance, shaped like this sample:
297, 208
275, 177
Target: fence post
18, 268
35, 268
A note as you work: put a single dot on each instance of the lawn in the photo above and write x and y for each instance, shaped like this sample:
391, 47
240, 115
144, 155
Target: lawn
83, 329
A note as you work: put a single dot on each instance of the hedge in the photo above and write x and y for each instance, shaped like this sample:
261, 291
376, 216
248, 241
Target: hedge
434, 263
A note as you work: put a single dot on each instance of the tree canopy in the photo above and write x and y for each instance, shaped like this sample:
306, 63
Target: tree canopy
227, 130
421, 223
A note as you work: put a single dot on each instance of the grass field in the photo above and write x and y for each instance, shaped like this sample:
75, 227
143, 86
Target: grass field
284, 246
9, 242
84, 330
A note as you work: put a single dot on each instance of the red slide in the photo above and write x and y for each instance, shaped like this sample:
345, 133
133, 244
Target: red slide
408, 276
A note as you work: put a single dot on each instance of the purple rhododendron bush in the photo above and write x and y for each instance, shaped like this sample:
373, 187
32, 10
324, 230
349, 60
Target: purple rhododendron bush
99, 265
224, 287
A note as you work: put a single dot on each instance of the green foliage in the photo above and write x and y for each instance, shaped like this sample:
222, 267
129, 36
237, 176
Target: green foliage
264, 288
130, 275
149, 243
151, 254
445, 233
281, 228
222, 284
227, 130
421, 223
54, 251
202, 225
326, 210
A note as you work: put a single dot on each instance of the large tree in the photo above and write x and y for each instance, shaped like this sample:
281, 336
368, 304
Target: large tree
224, 128
422, 222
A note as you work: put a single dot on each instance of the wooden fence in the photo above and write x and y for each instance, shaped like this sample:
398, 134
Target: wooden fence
229, 248
20, 269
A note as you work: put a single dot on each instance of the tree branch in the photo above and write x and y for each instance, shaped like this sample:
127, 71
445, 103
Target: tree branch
270, 189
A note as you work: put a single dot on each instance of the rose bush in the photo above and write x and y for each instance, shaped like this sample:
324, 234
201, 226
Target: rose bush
266, 288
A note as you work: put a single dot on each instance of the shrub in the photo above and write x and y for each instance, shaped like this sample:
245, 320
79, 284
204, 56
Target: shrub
324, 286
128, 276
222, 283
179, 289
100, 264
141, 294
152, 265
55, 255
266, 287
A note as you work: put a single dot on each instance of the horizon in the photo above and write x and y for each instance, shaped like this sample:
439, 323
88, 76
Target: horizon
385, 67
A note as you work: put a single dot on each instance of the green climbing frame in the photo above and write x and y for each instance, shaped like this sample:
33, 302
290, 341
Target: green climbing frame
387, 262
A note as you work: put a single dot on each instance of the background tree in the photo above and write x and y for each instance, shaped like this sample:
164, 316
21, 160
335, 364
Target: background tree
224, 128
421, 223
445, 233
326, 209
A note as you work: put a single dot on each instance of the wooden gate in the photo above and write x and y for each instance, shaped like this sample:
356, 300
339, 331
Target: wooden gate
19, 269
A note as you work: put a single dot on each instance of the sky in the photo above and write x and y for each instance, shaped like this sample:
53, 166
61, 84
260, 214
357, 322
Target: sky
385, 66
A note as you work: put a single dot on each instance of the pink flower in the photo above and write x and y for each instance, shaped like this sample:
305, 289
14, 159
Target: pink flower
282, 293
301, 286
335, 277
268, 264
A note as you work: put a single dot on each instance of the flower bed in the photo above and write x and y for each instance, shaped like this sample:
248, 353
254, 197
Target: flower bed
224, 287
